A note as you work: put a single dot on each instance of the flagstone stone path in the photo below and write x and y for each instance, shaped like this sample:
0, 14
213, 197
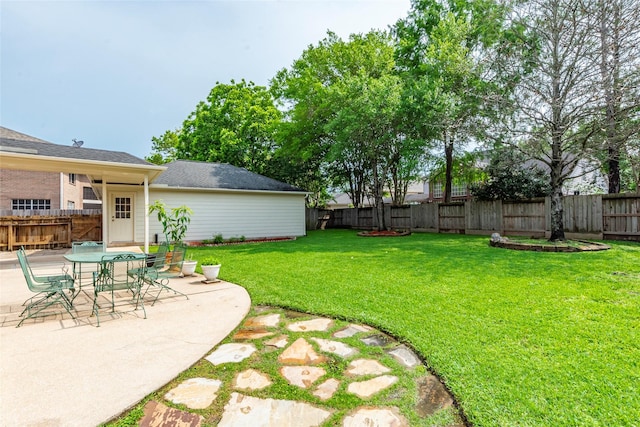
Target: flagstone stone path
330, 362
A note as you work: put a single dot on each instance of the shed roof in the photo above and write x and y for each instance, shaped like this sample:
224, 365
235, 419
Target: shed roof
193, 174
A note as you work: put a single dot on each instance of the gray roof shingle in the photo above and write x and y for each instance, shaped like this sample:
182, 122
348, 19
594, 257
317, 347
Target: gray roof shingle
15, 141
192, 174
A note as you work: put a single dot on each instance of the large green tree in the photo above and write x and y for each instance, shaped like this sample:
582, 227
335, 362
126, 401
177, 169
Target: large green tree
164, 148
449, 52
343, 99
236, 125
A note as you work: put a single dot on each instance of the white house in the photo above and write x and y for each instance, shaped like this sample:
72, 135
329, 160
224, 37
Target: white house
229, 200
225, 199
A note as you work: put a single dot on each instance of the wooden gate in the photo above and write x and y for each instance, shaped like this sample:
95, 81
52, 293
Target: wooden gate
48, 231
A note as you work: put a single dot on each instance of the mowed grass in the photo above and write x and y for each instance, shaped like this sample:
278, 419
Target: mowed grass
520, 338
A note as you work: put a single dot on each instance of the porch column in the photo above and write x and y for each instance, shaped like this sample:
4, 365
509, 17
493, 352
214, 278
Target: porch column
62, 190
146, 213
105, 213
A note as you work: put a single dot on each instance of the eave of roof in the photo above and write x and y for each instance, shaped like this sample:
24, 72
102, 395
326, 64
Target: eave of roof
99, 165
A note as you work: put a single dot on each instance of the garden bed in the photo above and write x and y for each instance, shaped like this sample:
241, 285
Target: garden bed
384, 233
541, 245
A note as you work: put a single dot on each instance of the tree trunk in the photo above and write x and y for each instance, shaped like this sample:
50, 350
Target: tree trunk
448, 173
378, 190
557, 207
557, 216
614, 169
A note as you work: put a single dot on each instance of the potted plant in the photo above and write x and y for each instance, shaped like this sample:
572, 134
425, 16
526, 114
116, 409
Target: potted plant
189, 267
175, 222
210, 267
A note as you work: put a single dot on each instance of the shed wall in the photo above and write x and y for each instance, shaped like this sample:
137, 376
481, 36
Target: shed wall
252, 215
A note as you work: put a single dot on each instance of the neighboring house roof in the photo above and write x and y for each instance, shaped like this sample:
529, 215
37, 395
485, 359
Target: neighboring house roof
192, 174
6, 133
23, 152
12, 141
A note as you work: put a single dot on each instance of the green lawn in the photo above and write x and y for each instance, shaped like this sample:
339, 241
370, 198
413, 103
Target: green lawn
520, 338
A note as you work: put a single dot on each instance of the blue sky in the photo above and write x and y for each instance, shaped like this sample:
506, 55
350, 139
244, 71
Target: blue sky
116, 73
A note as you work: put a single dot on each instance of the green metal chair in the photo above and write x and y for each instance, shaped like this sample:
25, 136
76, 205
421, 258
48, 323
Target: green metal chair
113, 275
166, 267
83, 247
49, 290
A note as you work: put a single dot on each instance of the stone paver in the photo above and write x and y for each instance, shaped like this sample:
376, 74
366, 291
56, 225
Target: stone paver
266, 321
251, 411
366, 389
157, 414
302, 376
278, 342
195, 393
363, 367
405, 356
251, 380
233, 352
377, 340
327, 389
335, 347
374, 417
323, 368
319, 324
251, 334
351, 330
300, 353
433, 396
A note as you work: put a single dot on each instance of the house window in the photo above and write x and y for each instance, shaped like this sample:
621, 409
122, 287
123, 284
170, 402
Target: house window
72, 178
457, 190
30, 204
71, 204
123, 207
88, 194
437, 190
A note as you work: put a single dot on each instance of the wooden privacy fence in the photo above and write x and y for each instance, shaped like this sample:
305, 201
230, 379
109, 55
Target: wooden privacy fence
611, 216
48, 229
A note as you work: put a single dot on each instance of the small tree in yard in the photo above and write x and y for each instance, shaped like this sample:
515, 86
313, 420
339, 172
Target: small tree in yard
175, 221
509, 178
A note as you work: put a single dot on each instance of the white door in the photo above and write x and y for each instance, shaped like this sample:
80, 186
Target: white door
121, 210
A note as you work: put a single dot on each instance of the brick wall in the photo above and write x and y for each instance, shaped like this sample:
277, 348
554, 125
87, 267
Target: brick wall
16, 184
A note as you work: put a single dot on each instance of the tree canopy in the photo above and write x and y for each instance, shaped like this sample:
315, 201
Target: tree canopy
556, 80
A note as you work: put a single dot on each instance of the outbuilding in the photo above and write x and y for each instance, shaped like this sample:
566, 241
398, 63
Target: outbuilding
225, 200
229, 201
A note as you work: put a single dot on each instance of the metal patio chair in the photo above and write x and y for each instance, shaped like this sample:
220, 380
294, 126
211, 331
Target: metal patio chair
81, 247
49, 290
113, 275
165, 267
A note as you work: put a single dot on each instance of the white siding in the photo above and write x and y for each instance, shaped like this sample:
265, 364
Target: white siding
232, 214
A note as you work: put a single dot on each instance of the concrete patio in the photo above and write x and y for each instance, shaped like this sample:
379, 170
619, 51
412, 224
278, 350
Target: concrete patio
59, 371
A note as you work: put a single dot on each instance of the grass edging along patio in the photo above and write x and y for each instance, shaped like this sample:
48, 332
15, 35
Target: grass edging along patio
520, 338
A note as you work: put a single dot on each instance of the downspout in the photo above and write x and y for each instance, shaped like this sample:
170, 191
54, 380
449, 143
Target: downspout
146, 213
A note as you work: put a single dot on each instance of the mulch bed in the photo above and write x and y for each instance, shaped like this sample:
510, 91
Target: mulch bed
384, 233
240, 242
